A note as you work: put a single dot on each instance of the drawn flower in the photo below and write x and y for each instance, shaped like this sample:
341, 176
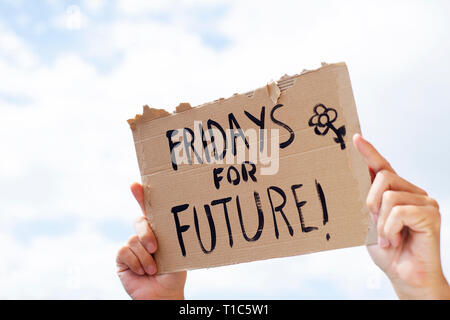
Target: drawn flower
322, 121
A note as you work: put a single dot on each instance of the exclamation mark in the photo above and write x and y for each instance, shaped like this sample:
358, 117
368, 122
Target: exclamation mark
324, 205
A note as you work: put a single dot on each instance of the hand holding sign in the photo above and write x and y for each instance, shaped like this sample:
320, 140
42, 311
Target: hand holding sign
408, 229
136, 267
255, 176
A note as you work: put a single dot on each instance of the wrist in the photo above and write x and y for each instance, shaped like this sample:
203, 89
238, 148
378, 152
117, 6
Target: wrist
177, 296
431, 290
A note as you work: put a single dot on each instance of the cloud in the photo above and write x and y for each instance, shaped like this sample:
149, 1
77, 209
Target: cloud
340, 274
14, 51
72, 19
78, 265
94, 6
142, 7
139, 6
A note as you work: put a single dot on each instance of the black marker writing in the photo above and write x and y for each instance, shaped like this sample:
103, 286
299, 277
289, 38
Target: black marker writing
324, 205
299, 205
233, 123
260, 218
322, 121
283, 125
279, 209
189, 145
233, 180
260, 123
248, 170
212, 229
224, 201
279, 203
172, 145
180, 228
210, 124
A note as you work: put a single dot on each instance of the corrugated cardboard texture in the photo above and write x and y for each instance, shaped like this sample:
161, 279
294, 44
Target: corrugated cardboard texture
330, 173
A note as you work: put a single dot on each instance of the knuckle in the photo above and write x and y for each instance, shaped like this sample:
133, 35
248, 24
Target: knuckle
122, 251
138, 220
388, 197
433, 202
384, 174
396, 211
133, 241
422, 191
135, 264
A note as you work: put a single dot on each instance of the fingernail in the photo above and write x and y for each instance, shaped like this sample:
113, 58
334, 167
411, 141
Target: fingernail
151, 270
141, 271
151, 247
383, 242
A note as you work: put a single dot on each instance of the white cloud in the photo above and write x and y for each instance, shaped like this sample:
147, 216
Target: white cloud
72, 19
94, 6
14, 51
345, 274
139, 6
80, 265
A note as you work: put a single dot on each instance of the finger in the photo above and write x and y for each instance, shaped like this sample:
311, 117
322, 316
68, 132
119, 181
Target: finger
145, 258
126, 259
145, 234
384, 181
374, 159
391, 199
138, 193
423, 219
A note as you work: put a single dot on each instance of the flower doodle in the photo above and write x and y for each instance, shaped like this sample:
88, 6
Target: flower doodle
322, 121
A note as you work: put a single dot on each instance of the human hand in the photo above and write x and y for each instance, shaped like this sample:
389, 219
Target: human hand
408, 225
136, 266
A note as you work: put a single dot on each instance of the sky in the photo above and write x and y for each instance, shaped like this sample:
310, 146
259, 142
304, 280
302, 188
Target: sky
72, 73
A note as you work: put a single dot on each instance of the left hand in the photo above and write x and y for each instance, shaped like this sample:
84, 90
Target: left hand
136, 266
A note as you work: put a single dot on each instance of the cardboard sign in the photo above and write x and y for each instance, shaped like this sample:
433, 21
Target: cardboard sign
269, 173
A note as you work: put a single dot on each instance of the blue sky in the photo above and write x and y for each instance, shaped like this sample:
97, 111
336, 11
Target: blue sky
35, 22
72, 72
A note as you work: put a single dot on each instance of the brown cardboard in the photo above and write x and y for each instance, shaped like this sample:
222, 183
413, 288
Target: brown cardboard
326, 171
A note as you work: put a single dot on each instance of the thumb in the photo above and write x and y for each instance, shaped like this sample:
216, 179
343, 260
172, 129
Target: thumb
138, 192
374, 159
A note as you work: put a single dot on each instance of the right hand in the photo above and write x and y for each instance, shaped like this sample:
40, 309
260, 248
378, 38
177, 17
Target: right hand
408, 225
136, 266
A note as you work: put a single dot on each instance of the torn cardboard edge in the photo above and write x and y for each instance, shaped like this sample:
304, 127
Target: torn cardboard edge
274, 90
